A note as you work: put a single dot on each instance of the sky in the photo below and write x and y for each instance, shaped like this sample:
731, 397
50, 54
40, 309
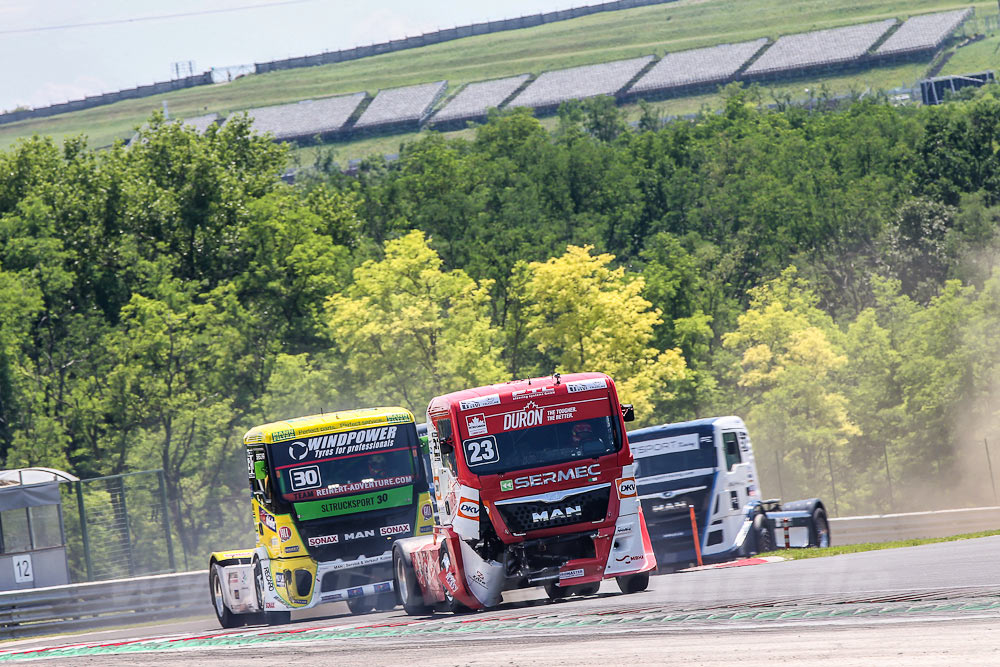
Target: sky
57, 50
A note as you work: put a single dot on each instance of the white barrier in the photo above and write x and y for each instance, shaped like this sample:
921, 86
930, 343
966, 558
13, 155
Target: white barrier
889, 527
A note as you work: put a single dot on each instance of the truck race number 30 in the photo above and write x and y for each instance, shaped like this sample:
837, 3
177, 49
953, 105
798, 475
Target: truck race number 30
481, 450
23, 571
305, 478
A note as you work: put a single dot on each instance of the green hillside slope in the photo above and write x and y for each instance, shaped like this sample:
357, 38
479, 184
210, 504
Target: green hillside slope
598, 38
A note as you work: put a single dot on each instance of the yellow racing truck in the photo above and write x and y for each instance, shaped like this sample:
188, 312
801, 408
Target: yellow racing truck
330, 494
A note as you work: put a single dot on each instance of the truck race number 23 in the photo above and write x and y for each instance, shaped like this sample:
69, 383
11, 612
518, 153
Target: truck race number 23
481, 450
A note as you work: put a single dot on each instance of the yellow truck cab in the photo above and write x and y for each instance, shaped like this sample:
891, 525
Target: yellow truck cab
330, 494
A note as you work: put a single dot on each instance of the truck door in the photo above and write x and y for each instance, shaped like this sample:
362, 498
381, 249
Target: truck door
731, 493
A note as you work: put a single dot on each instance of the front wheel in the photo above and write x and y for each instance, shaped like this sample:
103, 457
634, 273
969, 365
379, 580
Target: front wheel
406, 585
633, 583
269, 617
819, 529
227, 619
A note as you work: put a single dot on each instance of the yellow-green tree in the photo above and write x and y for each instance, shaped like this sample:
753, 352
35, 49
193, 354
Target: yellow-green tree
407, 330
584, 315
789, 357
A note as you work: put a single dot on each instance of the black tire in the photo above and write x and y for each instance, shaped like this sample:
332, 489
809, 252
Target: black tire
763, 536
555, 591
385, 601
227, 619
360, 605
633, 583
450, 603
268, 617
587, 589
819, 529
407, 589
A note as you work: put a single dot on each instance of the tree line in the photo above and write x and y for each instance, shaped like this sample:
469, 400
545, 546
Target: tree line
829, 275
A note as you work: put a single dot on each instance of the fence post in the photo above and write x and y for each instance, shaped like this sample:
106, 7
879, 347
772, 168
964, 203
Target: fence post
128, 534
166, 521
82, 512
833, 484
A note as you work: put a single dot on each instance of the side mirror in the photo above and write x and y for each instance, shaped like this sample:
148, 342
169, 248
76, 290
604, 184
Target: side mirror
447, 447
628, 412
259, 469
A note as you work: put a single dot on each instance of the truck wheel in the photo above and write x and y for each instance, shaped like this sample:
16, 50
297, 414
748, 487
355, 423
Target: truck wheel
269, 617
385, 601
227, 619
633, 583
360, 605
453, 605
556, 592
587, 589
406, 584
819, 529
762, 534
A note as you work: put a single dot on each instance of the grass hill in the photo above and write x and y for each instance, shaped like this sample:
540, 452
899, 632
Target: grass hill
598, 38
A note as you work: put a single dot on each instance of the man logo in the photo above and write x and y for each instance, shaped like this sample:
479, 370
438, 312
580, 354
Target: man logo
298, 450
563, 513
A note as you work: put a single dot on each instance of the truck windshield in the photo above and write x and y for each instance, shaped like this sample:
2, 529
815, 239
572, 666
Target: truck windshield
540, 446
675, 462
348, 463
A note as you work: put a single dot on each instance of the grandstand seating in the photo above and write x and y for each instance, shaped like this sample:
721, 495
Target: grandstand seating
304, 120
202, 123
696, 67
923, 33
551, 89
821, 48
475, 99
401, 108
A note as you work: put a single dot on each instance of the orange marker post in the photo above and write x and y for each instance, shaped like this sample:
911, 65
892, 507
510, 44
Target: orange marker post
694, 533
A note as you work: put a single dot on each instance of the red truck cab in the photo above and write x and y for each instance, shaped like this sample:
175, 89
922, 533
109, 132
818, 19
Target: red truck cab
534, 486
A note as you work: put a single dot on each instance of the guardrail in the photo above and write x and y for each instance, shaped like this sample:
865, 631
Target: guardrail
142, 599
55, 609
888, 527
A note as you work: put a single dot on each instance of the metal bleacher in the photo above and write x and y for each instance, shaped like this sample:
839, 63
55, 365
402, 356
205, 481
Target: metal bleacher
476, 99
696, 67
923, 33
396, 109
551, 89
818, 49
326, 117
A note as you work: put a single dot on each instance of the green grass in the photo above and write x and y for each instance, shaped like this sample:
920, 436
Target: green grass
598, 38
797, 554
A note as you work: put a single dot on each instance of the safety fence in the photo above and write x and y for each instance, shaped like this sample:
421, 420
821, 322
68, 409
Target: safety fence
55, 609
117, 526
142, 599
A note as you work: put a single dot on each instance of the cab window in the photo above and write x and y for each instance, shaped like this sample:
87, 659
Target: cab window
446, 440
732, 447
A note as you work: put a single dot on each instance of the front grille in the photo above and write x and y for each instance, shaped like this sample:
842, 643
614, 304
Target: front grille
584, 507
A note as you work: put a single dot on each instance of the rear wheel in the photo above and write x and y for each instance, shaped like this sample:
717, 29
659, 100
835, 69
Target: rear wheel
633, 583
587, 589
385, 601
763, 534
819, 529
227, 619
555, 591
360, 605
407, 587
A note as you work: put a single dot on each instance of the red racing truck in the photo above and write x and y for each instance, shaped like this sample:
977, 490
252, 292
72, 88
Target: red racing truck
534, 486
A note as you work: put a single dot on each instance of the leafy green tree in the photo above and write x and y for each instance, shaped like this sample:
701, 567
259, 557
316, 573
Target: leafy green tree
584, 315
406, 330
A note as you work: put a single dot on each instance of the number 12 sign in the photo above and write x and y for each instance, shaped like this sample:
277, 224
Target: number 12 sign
23, 570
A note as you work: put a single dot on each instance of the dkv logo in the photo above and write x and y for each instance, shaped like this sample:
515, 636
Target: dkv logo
626, 487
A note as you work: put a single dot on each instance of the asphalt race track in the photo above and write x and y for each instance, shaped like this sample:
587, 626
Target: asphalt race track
928, 605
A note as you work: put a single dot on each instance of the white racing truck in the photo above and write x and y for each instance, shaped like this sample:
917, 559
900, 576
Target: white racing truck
708, 466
